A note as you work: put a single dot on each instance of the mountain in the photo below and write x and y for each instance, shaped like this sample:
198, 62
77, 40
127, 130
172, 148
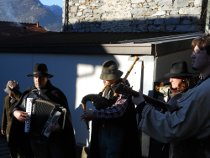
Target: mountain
57, 10
31, 11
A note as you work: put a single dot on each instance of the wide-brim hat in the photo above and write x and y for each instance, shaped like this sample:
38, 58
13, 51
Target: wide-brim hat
179, 69
110, 71
40, 70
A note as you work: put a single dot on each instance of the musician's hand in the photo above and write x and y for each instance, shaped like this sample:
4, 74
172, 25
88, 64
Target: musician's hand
139, 99
87, 115
20, 115
3, 132
12, 84
125, 89
119, 88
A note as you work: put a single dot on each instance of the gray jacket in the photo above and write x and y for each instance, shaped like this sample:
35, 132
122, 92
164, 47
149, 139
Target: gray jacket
191, 121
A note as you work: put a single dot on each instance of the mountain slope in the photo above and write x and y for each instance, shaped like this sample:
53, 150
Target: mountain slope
30, 11
57, 10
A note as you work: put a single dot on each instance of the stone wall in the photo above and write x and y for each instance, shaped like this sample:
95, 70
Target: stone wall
134, 16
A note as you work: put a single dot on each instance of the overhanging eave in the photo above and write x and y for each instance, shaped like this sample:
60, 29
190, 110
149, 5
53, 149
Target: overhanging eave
130, 48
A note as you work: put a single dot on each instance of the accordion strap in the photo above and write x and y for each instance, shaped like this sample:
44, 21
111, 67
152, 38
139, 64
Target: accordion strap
64, 117
52, 121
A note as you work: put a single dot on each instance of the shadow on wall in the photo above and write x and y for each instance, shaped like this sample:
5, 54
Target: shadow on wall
172, 24
65, 70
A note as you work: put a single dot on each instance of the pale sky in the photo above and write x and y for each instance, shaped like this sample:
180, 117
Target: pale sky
51, 2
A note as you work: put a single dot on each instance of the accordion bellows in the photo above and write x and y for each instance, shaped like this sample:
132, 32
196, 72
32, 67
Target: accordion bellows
43, 116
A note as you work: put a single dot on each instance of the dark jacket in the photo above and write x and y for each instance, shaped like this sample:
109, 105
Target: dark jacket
126, 125
64, 138
8, 106
6, 117
17, 143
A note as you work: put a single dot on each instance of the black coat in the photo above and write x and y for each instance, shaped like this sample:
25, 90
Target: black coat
64, 137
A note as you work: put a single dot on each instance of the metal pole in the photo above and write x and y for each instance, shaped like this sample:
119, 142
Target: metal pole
207, 26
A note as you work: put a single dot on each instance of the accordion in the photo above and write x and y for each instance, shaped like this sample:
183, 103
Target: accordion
43, 117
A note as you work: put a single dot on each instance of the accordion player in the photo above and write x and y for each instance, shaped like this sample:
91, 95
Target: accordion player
44, 117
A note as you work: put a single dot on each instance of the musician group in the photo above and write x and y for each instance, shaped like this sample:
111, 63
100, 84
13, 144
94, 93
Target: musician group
41, 120
119, 117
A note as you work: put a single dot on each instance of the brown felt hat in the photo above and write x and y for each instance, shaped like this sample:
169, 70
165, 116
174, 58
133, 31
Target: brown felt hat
110, 71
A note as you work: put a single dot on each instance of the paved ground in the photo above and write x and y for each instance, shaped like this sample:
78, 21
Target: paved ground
4, 151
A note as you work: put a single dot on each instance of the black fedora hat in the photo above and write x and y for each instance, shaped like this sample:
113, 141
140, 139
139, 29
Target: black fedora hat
40, 70
110, 71
178, 69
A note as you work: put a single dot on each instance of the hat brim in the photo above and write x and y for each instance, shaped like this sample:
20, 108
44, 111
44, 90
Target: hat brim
115, 76
166, 77
171, 75
40, 75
